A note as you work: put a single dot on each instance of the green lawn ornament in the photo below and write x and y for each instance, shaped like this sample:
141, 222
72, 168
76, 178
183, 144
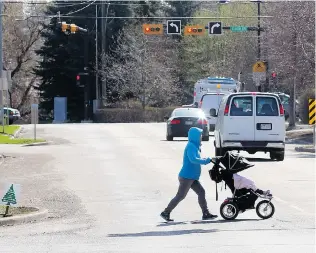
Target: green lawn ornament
9, 198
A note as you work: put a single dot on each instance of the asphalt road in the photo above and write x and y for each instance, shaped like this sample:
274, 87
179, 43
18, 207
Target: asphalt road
106, 184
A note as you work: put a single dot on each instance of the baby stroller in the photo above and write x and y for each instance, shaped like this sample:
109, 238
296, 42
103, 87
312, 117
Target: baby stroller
225, 169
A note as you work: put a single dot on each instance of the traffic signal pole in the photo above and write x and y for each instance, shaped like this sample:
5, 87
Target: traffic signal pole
259, 42
87, 101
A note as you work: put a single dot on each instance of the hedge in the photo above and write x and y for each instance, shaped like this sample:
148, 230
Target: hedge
135, 115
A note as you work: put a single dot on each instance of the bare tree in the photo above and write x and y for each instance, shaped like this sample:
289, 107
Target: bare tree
142, 65
224, 55
291, 42
21, 39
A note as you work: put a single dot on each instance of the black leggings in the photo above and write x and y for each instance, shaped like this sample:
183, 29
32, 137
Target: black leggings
184, 187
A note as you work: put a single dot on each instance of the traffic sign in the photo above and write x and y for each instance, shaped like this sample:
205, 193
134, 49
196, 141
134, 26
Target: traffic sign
194, 30
258, 77
153, 29
239, 28
174, 27
311, 111
259, 66
215, 28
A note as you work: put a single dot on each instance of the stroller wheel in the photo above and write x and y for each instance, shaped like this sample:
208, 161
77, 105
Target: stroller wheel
265, 209
229, 210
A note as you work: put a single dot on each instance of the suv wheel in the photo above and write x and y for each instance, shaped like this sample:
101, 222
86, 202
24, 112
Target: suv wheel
169, 138
206, 138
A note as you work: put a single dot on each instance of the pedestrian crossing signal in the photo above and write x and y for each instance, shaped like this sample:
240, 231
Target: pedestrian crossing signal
194, 30
153, 29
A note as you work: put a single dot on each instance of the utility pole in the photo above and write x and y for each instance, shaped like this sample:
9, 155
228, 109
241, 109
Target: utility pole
259, 25
1, 65
86, 86
103, 39
96, 56
1, 57
258, 38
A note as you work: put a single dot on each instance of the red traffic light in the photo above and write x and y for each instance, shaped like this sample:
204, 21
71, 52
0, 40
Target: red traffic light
274, 74
78, 78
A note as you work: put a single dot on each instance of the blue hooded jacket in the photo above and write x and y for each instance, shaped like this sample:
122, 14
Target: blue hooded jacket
192, 160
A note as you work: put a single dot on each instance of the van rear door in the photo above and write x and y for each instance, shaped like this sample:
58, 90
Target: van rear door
210, 101
269, 119
239, 119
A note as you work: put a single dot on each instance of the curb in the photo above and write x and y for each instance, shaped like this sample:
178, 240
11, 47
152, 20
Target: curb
18, 132
36, 144
19, 219
304, 149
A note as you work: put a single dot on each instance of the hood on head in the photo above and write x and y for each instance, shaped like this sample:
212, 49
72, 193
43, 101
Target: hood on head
195, 135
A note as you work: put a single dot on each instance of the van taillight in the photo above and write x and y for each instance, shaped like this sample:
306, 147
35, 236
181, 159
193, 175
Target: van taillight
281, 110
194, 94
175, 122
200, 105
202, 122
226, 110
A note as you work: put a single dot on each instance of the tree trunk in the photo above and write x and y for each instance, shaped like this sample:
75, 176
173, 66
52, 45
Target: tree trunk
292, 104
293, 87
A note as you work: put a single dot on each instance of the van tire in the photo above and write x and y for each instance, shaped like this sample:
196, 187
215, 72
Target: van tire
279, 156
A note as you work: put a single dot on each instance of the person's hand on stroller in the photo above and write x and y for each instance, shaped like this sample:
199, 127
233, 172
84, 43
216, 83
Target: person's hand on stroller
208, 160
215, 159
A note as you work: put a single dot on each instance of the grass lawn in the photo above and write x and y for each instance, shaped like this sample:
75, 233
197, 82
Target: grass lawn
10, 130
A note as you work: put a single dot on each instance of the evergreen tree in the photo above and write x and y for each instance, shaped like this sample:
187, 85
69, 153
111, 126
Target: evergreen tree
9, 197
63, 56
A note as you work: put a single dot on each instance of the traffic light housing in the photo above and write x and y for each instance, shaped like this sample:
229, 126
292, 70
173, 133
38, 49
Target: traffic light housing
274, 78
78, 80
64, 26
194, 30
74, 28
153, 29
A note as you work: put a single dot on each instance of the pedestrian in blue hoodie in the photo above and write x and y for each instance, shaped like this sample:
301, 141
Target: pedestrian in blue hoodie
189, 176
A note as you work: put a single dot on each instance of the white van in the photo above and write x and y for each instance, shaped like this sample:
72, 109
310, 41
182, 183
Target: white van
252, 122
208, 102
214, 84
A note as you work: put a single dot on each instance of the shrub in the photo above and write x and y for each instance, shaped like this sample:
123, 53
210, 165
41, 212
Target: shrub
120, 115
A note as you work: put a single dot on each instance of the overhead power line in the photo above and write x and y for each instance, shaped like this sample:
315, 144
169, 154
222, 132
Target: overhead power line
133, 17
73, 12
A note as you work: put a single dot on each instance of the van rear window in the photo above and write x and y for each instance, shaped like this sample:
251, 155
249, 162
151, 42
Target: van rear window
266, 106
241, 106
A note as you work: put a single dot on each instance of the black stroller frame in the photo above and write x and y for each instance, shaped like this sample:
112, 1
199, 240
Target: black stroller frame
247, 197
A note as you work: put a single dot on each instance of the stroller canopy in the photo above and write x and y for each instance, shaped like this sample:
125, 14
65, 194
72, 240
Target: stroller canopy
234, 163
